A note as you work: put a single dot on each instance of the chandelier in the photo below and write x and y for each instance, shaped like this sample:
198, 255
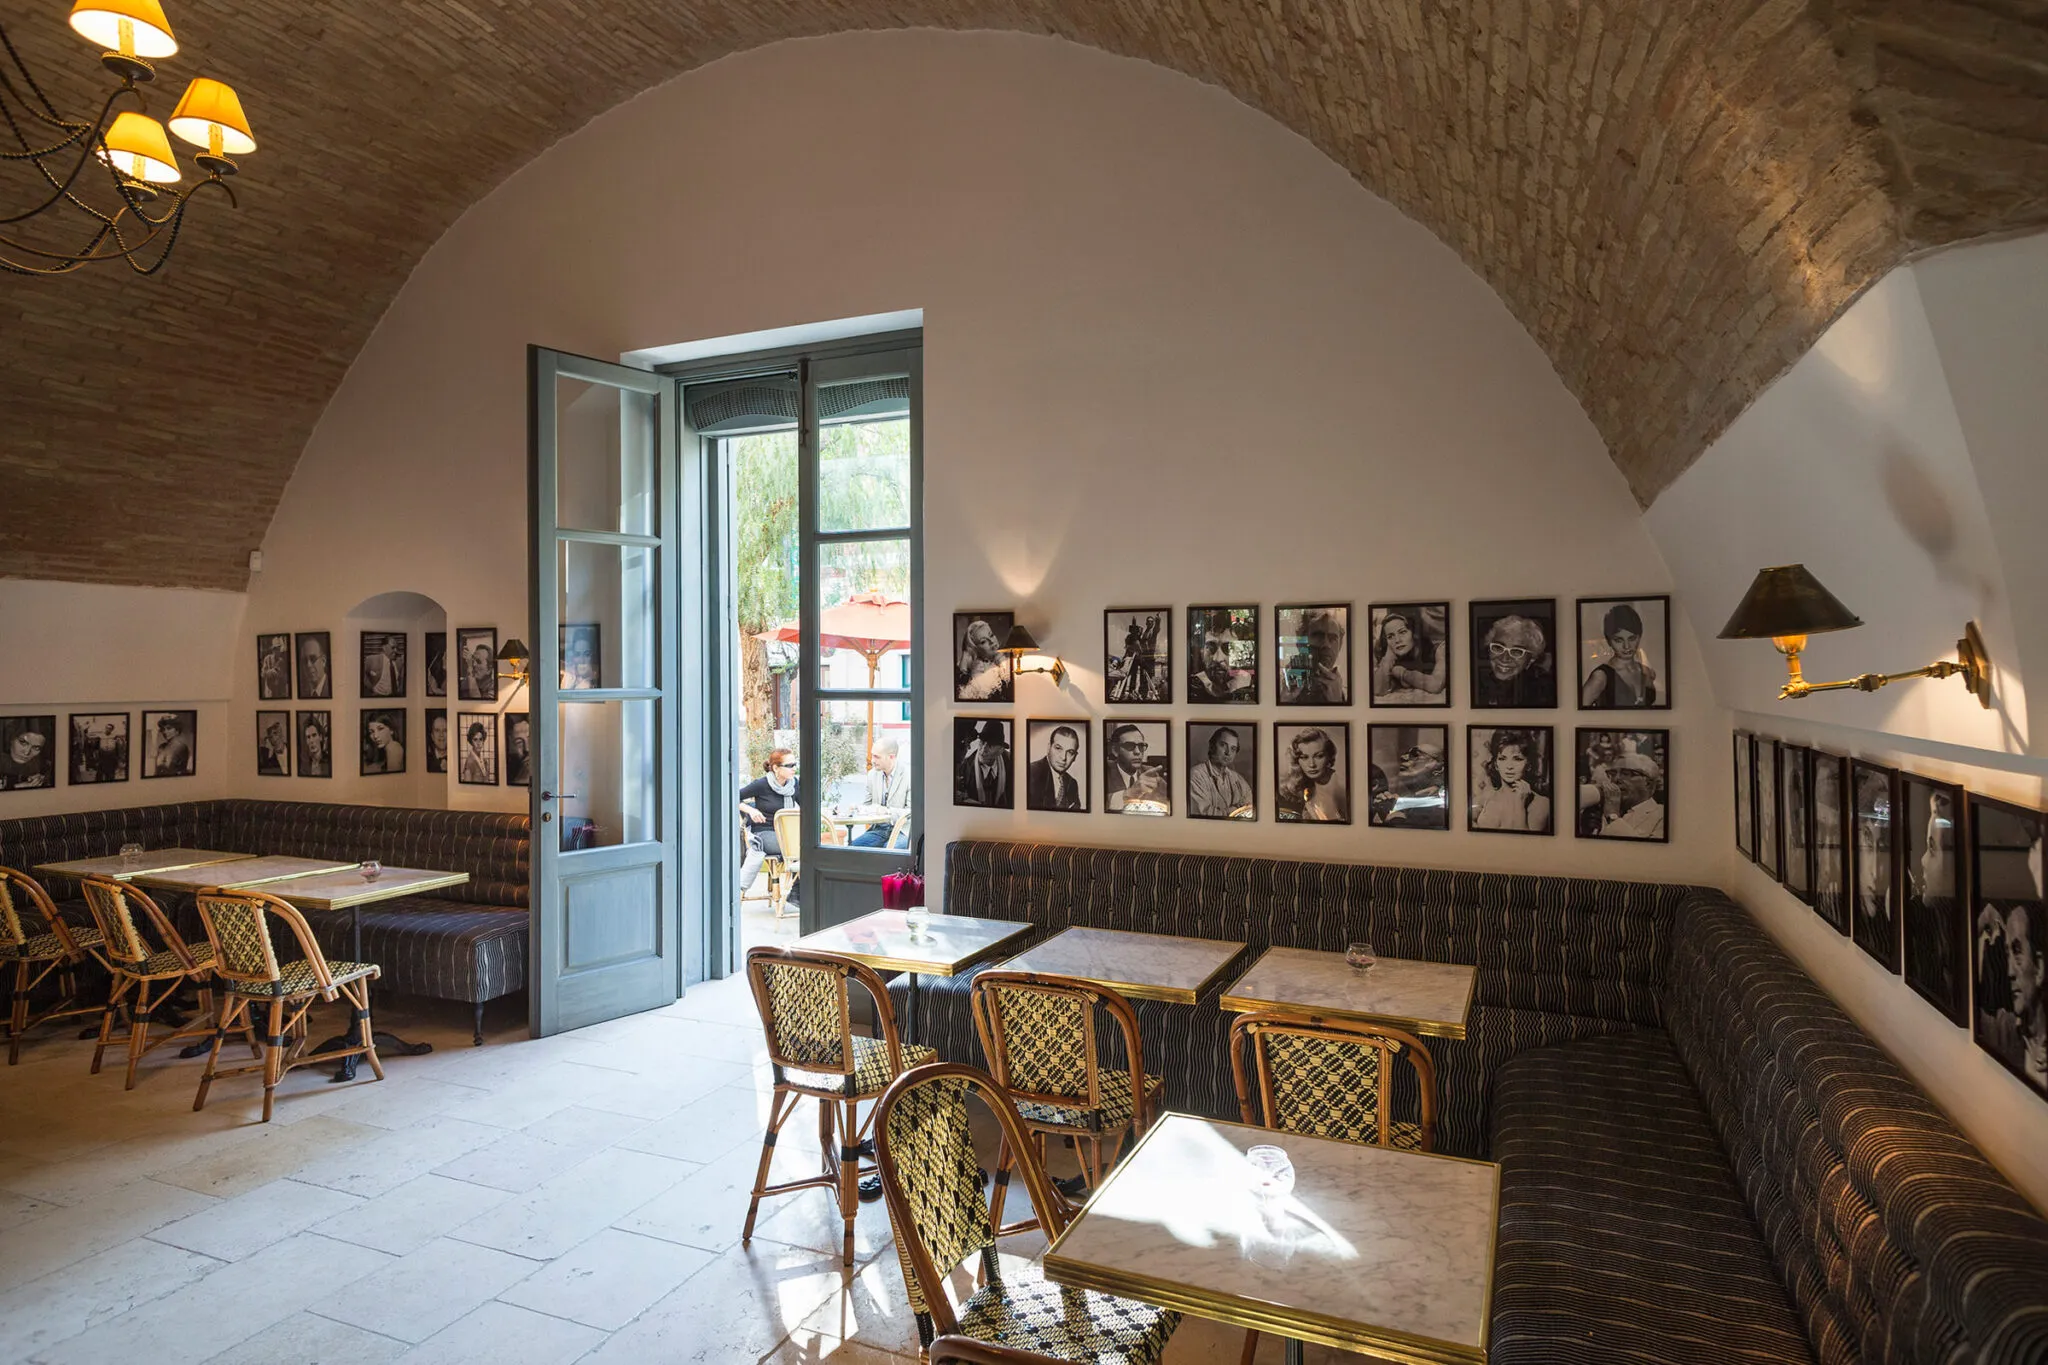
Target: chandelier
138, 221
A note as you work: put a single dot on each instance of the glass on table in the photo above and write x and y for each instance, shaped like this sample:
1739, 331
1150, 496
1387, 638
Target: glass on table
1361, 956
1272, 1171
130, 854
915, 919
370, 870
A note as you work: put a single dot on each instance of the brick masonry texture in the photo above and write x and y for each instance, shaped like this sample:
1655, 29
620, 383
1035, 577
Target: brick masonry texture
1675, 197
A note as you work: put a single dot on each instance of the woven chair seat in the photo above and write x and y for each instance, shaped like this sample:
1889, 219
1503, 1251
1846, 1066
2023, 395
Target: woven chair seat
166, 962
297, 978
1030, 1311
46, 947
1113, 1113
871, 1073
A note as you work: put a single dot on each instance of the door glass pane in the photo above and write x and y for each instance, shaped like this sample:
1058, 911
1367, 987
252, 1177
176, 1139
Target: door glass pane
864, 612
606, 448
863, 466
864, 767
610, 615
610, 792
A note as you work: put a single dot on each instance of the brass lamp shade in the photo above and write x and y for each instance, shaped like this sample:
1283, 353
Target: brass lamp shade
99, 21
136, 147
207, 105
514, 653
1787, 601
1020, 641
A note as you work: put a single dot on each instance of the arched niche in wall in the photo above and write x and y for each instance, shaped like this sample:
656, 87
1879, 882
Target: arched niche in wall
383, 663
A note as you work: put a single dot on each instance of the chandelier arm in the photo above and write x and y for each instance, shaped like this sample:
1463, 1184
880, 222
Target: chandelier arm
96, 251
62, 189
66, 262
22, 67
15, 96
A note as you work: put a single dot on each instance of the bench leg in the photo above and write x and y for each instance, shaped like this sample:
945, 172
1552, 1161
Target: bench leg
478, 1039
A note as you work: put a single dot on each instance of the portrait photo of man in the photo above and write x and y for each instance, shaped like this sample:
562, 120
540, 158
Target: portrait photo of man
437, 663
981, 763
1311, 774
1137, 657
316, 665
99, 744
274, 667
316, 743
1137, 769
273, 744
1056, 773
2011, 997
1223, 765
1621, 783
476, 656
1875, 923
1223, 656
383, 653
1411, 776
1830, 836
28, 753
518, 749
437, 739
1314, 645
1514, 654
1934, 918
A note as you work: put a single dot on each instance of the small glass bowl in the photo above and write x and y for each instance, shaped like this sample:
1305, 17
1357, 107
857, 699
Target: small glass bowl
370, 870
1361, 956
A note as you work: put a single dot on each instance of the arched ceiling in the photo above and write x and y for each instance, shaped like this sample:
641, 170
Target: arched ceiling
1675, 198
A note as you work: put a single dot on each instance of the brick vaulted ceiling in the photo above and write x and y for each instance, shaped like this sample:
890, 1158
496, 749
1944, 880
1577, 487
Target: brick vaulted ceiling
1675, 197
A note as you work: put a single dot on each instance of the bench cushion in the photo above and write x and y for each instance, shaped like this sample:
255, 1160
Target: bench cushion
439, 948
1623, 1234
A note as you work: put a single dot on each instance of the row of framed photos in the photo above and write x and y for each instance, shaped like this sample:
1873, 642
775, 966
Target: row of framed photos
1623, 649
101, 748
305, 747
1618, 778
307, 657
1941, 885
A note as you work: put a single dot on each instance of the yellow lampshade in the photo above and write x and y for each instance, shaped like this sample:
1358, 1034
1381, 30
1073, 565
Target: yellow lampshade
99, 21
137, 147
209, 104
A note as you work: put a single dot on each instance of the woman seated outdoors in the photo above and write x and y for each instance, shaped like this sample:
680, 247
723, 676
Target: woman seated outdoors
759, 800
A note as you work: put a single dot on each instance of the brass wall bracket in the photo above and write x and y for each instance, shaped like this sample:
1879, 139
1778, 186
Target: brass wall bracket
1972, 663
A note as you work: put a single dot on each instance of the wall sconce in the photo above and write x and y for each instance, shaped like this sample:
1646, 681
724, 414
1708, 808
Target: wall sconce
1027, 657
1787, 604
514, 660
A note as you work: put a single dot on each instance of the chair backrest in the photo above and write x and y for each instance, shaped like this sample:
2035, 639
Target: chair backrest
26, 912
1326, 1077
968, 1351
924, 1152
1038, 1033
238, 926
789, 832
899, 833
805, 999
113, 906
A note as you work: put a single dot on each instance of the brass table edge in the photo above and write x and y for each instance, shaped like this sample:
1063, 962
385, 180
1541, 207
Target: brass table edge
1426, 1028
58, 869
1172, 995
925, 966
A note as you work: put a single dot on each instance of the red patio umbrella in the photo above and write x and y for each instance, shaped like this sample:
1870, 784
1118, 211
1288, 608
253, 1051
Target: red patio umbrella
870, 624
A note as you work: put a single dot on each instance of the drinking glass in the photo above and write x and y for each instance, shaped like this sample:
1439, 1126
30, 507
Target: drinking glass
130, 853
1361, 956
915, 919
370, 870
1272, 1171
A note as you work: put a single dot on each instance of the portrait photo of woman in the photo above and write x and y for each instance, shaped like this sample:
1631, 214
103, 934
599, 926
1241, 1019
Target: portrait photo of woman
1509, 791
1514, 654
981, 671
477, 764
383, 742
1311, 780
1411, 654
1935, 912
1624, 653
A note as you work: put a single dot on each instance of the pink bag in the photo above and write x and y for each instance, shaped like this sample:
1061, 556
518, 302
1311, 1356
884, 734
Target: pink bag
902, 890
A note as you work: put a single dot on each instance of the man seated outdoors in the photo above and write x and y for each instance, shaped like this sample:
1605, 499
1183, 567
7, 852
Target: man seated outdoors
888, 786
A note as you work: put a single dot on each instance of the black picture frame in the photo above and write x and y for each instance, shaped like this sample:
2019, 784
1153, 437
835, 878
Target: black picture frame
1651, 613
982, 672
2006, 894
1745, 794
1403, 679
1829, 783
1766, 769
28, 753
434, 647
1604, 762
102, 746
1874, 863
1312, 669
382, 663
311, 728
1226, 789
274, 666
1298, 797
1137, 656
1040, 735
1525, 629
518, 749
1795, 820
1224, 654
1408, 776
580, 643
1492, 803
476, 663
436, 762
377, 757
273, 744
1934, 893
985, 786
1147, 788
313, 660
476, 748
170, 744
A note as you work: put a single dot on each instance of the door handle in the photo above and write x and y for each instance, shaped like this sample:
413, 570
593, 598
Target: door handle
566, 796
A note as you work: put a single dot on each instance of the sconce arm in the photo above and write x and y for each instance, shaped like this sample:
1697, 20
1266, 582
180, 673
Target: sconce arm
1972, 663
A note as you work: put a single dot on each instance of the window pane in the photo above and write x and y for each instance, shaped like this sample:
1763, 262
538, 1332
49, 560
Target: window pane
610, 614
609, 794
605, 458
863, 467
864, 770
865, 613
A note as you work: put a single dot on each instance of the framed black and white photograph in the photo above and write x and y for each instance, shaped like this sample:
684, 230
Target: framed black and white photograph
316, 665
476, 763
170, 743
1830, 779
1056, 766
1223, 770
437, 739
1514, 654
582, 666
274, 667
1137, 767
1623, 784
1873, 855
1223, 656
1312, 773
383, 656
1624, 653
383, 735
1137, 656
2010, 913
28, 753
273, 744
1408, 776
1767, 805
1411, 654
1795, 819
518, 749
983, 764
1314, 649
981, 671
1510, 779
100, 744
476, 663
315, 737
1745, 794
436, 646
1936, 907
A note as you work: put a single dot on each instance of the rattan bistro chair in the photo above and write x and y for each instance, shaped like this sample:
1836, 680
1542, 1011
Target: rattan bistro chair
1039, 1035
238, 925
38, 941
137, 967
968, 1351
806, 1004
926, 1154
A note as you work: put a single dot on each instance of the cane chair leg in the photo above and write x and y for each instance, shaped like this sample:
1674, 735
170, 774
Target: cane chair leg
273, 1057
18, 1019
114, 1003
778, 1112
849, 1175
369, 1038
1251, 1349
999, 1186
138, 1043
234, 1006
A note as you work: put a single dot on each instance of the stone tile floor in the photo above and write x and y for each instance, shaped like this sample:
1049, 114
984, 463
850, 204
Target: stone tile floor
576, 1198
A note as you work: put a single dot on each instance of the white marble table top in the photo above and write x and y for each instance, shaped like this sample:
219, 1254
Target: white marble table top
1428, 998
1385, 1252
1144, 966
346, 889
950, 943
245, 872
122, 869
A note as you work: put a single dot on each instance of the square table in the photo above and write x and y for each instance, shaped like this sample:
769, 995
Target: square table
949, 945
243, 874
1384, 1252
123, 869
1143, 966
1432, 999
